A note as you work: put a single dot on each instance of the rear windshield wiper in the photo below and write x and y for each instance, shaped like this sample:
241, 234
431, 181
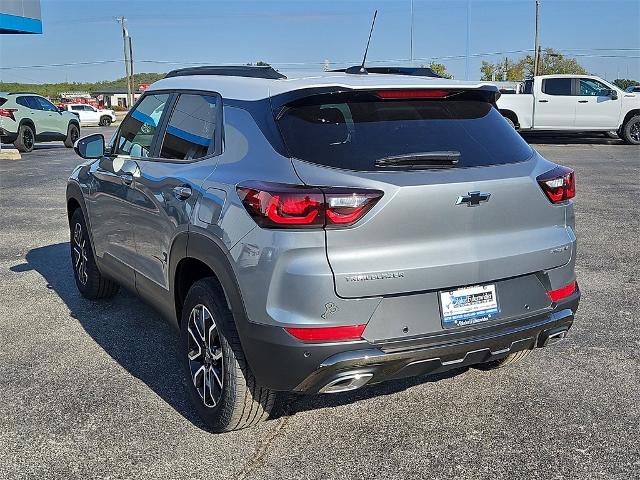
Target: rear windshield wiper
423, 160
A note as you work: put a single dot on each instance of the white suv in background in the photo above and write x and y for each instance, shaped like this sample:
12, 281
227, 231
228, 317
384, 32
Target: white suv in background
90, 115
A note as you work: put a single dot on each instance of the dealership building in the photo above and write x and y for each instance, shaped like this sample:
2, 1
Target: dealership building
20, 16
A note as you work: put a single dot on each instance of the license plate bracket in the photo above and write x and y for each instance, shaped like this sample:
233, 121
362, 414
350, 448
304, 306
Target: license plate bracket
468, 305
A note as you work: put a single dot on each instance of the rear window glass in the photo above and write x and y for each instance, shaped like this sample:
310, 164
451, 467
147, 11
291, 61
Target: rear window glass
352, 132
557, 86
191, 129
2, 101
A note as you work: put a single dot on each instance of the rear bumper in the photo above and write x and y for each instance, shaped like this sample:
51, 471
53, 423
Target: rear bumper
286, 364
7, 136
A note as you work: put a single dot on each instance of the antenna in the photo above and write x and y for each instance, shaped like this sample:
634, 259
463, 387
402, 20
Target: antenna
361, 70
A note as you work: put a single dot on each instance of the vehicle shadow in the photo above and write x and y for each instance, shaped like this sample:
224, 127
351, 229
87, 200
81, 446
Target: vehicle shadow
542, 138
132, 333
142, 342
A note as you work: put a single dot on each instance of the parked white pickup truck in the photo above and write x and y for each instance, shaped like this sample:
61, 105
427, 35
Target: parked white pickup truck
90, 115
573, 103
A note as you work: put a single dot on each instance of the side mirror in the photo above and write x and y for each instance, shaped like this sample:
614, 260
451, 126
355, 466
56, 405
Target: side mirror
91, 146
613, 94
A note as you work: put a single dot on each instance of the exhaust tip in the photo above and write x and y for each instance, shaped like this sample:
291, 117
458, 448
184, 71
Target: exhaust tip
347, 382
555, 337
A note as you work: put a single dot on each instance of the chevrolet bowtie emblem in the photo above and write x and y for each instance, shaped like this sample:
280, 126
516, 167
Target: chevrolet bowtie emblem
473, 199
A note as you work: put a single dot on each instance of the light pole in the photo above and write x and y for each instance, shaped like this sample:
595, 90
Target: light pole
536, 58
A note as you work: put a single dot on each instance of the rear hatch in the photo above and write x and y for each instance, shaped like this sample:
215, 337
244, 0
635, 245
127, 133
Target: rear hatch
461, 203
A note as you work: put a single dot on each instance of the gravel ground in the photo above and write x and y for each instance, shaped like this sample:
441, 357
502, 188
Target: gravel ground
93, 389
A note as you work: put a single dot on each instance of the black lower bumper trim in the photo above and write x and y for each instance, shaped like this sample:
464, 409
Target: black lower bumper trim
435, 359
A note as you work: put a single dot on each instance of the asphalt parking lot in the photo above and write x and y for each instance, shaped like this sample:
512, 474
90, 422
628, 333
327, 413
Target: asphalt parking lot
93, 389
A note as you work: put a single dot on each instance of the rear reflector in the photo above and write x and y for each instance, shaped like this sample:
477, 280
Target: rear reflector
274, 205
558, 184
327, 334
563, 292
408, 94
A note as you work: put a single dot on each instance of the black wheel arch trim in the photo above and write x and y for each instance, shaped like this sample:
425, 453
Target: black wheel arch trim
29, 122
74, 192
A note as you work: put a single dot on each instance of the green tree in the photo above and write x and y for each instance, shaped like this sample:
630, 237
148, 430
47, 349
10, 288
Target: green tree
440, 69
502, 71
625, 83
551, 62
260, 63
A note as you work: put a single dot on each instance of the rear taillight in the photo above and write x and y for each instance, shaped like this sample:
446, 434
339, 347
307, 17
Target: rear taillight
563, 292
327, 334
274, 205
558, 184
8, 113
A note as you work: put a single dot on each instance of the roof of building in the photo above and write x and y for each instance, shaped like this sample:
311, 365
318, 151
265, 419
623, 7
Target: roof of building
247, 88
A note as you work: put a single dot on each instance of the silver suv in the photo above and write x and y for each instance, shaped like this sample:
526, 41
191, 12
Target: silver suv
318, 233
27, 118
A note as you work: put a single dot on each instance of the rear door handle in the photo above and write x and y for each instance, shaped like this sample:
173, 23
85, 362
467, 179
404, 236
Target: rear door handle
583, 101
182, 192
543, 101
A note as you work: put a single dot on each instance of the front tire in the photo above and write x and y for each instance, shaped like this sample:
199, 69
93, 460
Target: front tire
219, 382
73, 134
105, 121
26, 139
89, 280
510, 122
630, 131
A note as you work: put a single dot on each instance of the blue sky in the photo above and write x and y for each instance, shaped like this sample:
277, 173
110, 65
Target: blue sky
184, 32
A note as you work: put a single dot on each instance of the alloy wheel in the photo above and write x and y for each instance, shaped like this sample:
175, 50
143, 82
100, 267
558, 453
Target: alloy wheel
205, 355
74, 134
80, 254
27, 138
634, 131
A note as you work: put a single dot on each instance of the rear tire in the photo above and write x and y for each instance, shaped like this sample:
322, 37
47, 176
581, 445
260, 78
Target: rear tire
26, 138
73, 134
504, 362
89, 280
630, 131
220, 384
510, 122
105, 121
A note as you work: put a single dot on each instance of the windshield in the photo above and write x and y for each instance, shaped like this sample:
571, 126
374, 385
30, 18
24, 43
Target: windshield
353, 130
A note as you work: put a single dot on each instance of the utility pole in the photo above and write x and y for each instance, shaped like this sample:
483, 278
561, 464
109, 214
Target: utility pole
506, 69
411, 35
466, 64
536, 59
128, 65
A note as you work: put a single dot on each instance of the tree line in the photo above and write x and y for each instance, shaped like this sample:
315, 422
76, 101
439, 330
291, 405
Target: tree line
551, 62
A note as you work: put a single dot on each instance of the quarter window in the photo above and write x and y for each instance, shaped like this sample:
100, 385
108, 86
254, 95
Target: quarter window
139, 127
190, 132
557, 86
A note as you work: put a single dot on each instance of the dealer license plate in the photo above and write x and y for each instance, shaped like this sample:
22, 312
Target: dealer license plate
469, 305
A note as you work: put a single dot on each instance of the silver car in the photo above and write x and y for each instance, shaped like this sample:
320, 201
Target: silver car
319, 233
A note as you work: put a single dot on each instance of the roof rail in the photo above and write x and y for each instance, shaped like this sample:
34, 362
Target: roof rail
231, 71
22, 93
410, 71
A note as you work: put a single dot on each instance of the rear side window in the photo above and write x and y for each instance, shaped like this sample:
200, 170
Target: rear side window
2, 101
191, 129
28, 102
139, 127
557, 86
353, 132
